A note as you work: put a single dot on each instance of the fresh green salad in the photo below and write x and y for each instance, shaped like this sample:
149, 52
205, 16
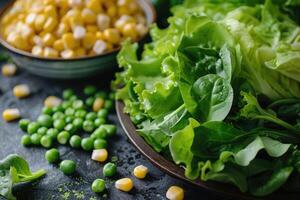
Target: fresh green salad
218, 92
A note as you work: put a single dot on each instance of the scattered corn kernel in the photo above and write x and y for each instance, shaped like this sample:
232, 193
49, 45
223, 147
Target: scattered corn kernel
11, 114
52, 101
140, 171
9, 69
98, 104
21, 91
175, 193
100, 155
124, 184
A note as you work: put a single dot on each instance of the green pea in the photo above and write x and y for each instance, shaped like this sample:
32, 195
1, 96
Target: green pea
58, 108
23, 124
109, 169
80, 113
87, 144
59, 124
112, 96
78, 122
69, 119
101, 94
71, 128
91, 116
100, 121
90, 101
63, 137
90, 90
78, 104
75, 141
33, 127
70, 112
98, 186
100, 133
88, 126
47, 111
67, 167
46, 141
102, 113
42, 131
108, 104
52, 132
35, 139
100, 144
66, 104
68, 93
73, 98
58, 115
45, 120
110, 129
25, 140
52, 155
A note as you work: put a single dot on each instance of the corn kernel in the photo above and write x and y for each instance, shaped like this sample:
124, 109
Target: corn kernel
94, 5
62, 29
124, 184
48, 39
49, 2
37, 40
9, 69
175, 193
100, 155
123, 10
80, 52
50, 53
98, 104
69, 41
58, 45
88, 16
39, 22
21, 91
92, 28
140, 171
99, 47
50, 24
52, 101
18, 41
79, 32
112, 35
67, 54
50, 11
141, 29
99, 35
112, 11
89, 40
75, 3
103, 21
129, 30
37, 51
11, 114
30, 19
63, 3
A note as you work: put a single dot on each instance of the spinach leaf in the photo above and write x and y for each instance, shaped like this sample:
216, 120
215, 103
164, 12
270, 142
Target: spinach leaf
14, 169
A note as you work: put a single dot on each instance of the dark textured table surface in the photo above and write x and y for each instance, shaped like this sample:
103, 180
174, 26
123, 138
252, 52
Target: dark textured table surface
55, 185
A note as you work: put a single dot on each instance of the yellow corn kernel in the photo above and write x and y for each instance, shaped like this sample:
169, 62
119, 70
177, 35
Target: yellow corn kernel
103, 21
39, 22
69, 41
50, 53
50, 24
63, 3
95, 6
76, 19
62, 29
123, 10
21, 17
21, 91
18, 41
98, 104
89, 40
124, 184
100, 155
49, 2
37, 51
109, 46
67, 54
9, 69
52, 101
140, 171
8, 18
80, 52
50, 11
88, 16
133, 7
11, 114
58, 45
92, 28
141, 29
30, 19
175, 193
129, 30
99, 35
112, 35
112, 11
48, 39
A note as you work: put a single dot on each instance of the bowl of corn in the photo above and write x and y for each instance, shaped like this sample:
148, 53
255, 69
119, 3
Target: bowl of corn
66, 39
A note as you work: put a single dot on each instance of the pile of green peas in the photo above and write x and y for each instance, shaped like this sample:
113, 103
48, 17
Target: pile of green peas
66, 123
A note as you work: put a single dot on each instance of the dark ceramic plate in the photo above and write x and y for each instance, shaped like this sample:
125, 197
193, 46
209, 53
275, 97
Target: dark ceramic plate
176, 171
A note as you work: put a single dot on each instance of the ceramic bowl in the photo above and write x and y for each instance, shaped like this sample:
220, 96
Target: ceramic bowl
60, 68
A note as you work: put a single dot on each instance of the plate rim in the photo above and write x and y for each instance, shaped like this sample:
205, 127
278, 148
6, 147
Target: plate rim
178, 172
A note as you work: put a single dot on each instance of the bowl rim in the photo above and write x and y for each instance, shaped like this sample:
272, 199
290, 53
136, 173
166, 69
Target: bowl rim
150, 8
